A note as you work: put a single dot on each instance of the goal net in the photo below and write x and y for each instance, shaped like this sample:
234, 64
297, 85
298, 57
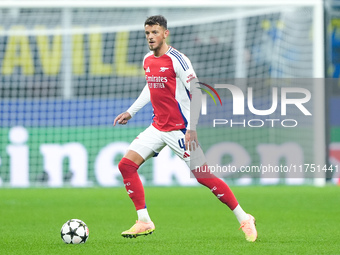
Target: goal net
66, 72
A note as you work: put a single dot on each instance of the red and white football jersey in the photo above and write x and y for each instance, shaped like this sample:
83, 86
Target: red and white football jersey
168, 84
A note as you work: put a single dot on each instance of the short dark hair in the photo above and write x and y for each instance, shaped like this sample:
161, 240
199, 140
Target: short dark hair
156, 20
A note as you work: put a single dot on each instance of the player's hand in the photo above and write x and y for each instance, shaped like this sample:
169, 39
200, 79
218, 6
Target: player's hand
122, 118
191, 141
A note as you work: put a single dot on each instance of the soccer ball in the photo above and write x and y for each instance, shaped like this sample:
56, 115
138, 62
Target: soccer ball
74, 231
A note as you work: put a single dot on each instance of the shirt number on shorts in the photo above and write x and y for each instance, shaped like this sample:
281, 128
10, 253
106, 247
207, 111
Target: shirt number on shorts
181, 143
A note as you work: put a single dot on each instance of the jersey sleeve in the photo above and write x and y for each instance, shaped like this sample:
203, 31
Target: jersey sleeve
140, 102
185, 72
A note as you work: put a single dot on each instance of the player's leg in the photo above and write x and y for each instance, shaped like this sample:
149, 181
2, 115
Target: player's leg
128, 167
197, 163
143, 147
223, 192
196, 159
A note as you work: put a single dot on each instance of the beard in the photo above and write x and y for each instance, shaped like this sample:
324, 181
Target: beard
155, 47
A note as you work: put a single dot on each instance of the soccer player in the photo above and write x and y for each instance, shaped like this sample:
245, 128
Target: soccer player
169, 79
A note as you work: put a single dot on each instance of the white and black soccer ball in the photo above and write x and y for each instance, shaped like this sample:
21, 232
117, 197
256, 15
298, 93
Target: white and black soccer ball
74, 231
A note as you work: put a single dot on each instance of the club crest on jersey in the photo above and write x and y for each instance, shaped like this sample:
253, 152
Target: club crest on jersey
163, 69
147, 70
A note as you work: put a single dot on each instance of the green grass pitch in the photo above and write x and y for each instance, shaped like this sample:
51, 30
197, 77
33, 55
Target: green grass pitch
190, 220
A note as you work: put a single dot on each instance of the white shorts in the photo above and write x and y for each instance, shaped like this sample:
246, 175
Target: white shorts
151, 141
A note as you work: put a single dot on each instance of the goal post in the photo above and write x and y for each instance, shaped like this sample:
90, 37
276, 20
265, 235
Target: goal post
69, 67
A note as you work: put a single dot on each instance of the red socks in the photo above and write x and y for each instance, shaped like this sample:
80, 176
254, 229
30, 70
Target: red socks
216, 185
132, 182
135, 189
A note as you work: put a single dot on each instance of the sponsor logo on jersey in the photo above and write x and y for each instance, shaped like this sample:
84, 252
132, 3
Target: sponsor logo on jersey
147, 70
130, 191
154, 78
163, 69
186, 155
156, 85
190, 77
156, 82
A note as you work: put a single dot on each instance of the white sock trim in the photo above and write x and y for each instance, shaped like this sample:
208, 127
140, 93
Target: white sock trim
240, 214
143, 215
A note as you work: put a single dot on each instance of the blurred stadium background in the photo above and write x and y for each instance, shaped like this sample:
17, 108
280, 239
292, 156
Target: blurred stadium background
67, 68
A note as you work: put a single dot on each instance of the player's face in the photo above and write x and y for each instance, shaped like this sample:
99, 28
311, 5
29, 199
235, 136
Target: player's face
155, 35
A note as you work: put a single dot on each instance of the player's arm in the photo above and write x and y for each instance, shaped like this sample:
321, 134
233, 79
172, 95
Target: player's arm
140, 102
195, 103
122, 118
190, 81
191, 140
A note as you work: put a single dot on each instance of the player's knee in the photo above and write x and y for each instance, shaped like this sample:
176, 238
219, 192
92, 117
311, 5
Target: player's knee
121, 166
209, 182
202, 181
127, 166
